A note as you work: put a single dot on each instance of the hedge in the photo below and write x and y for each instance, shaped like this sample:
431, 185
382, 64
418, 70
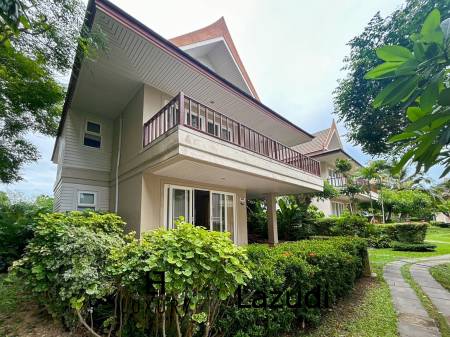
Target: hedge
413, 247
330, 265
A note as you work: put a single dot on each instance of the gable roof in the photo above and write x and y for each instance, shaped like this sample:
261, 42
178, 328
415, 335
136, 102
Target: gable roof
321, 141
216, 30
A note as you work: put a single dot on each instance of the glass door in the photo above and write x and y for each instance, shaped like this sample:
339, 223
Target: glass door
179, 203
222, 212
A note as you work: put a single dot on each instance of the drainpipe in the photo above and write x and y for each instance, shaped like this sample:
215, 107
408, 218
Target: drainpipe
117, 164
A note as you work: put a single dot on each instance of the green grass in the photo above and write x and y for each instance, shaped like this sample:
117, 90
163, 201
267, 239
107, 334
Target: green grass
369, 311
441, 273
436, 235
426, 302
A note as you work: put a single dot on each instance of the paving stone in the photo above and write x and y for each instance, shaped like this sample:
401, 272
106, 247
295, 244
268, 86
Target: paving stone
407, 329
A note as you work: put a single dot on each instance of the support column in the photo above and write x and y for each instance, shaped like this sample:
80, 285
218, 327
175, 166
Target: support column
272, 226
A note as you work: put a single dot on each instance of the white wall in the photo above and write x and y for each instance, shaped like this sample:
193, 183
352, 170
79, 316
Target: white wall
68, 195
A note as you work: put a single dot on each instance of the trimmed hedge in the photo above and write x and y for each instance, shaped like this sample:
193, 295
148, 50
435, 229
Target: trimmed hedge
413, 247
331, 265
345, 225
408, 232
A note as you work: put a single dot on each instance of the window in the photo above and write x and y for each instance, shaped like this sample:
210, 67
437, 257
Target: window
92, 135
337, 208
86, 200
210, 209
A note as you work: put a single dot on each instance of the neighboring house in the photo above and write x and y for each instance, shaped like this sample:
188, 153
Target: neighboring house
326, 147
156, 129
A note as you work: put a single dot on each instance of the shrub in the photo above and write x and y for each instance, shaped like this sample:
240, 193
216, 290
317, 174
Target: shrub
345, 225
409, 232
332, 265
65, 264
413, 247
380, 237
202, 268
17, 221
440, 224
351, 225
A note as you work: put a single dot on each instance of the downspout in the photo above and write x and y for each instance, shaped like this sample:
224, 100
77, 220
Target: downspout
117, 164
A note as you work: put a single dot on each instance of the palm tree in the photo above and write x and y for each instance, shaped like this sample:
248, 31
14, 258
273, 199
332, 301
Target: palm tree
370, 173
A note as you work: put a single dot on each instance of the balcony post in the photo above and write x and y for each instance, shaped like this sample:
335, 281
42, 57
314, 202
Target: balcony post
272, 226
181, 107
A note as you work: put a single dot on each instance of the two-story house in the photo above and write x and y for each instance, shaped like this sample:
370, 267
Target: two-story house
326, 147
155, 129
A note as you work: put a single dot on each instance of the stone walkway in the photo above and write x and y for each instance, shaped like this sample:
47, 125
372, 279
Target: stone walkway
413, 319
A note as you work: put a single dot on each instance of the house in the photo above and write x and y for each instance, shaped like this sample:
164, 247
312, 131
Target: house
326, 147
155, 129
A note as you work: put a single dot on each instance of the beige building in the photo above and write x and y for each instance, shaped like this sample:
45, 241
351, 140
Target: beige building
326, 147
155, 129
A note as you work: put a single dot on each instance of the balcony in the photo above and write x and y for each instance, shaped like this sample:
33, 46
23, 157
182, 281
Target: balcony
183, 110
341, 182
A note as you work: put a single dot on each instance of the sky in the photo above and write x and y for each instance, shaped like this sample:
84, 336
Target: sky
292, 50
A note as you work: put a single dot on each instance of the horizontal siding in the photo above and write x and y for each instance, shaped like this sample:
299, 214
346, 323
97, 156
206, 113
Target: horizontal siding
76, 154
69, 193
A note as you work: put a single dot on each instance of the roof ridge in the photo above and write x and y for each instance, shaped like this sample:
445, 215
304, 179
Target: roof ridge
217, 29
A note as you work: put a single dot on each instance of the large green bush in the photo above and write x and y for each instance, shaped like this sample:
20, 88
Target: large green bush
330, 265
344, 225
408, 232
66, 262
17, 220
202, 269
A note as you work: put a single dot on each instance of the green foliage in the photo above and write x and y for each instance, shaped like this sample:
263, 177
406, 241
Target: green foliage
408, 232
30, 101
367, 125
343, 166
413, 247
66, 262
17, 221
202, 268
407, 203
329, 192
294, 219
256, 220
419, 82
38, 39
345, 225
333, 265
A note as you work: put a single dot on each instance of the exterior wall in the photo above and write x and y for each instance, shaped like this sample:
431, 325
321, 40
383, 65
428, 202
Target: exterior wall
153, 203
68, 195
130, 201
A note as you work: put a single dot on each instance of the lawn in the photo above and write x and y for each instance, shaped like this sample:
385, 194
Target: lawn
441, 273
368, 311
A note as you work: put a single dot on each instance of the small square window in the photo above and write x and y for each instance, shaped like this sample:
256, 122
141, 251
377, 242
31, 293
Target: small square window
93, 127
86, 200
92, 141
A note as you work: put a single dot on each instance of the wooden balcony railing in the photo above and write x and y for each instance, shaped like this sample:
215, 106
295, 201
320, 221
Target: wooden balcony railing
340, 181
183, 110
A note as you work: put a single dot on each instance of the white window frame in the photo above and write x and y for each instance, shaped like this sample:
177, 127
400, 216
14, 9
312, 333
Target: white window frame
91, 133
338, 207
168, 218
94, 205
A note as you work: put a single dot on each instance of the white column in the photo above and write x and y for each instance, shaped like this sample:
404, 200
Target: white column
272, 226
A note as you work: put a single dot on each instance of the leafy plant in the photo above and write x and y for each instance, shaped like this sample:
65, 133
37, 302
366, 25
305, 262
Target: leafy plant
65, 265
369, 126
202, 269
332, 265
17, 222
419, 82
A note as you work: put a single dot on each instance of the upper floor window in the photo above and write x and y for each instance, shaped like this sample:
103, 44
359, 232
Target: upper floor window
93, 135
86, 200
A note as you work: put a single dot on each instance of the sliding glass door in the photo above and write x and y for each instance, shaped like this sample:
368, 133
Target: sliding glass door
211, 209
